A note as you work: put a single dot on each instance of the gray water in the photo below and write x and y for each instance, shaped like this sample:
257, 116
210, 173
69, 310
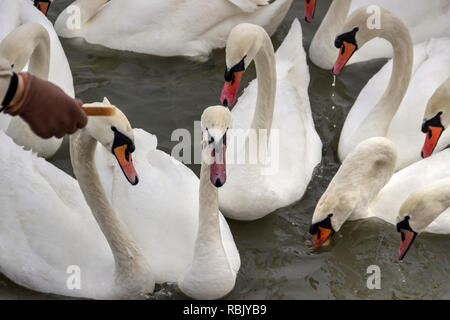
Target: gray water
162, 94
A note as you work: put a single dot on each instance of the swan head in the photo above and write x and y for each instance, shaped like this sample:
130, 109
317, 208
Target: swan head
419, 210
363, 25
364, 172
436, 118
215, 122
43, 5
243, 44
310, 8
111, 128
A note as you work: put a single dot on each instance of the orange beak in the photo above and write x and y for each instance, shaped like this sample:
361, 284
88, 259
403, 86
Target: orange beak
43, 6
322, 235
125, 160
406, 242
218, 174
229, 92
431, 140
310, 8
345, 53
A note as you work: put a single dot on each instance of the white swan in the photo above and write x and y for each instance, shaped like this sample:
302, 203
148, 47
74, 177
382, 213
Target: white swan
424, 20
47, 232
392, 103
436, 118
420, 209
276, 104
162, 211
189, 28
29, 42
212, 273
364, 187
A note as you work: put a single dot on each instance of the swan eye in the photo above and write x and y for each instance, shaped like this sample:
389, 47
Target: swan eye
210, 139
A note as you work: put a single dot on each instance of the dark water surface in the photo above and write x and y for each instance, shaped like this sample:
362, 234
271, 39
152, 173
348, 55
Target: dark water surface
162, 94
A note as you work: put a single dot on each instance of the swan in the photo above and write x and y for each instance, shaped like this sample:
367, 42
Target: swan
420, 209
191, 28
211, 274
425, 20
162, 212
47, 230
365, 186
402, 87
29, 42
436, 118
275, 105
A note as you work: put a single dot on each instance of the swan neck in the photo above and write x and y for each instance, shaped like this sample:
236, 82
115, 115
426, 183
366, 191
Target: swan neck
209, 226
403, 60
442, 196
28, 43
357, 183
127, 254
267, 82
333, 22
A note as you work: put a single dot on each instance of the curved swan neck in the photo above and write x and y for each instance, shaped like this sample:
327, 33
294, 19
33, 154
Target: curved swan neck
29, 42
267, 84
332, 22
209, 226
426, 204
127, 254
366, 170
398, 35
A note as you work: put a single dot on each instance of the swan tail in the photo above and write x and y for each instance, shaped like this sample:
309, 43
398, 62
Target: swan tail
291, 57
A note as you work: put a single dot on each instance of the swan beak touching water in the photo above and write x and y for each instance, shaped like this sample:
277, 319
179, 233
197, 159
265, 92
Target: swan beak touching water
346, 42
310, 8
407, 237
233, 77
43, 5
322, 232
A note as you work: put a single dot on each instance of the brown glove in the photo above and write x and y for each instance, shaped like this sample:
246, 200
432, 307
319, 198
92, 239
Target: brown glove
46, 108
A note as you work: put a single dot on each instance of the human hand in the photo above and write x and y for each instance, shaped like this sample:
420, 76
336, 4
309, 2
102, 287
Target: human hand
46, 108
